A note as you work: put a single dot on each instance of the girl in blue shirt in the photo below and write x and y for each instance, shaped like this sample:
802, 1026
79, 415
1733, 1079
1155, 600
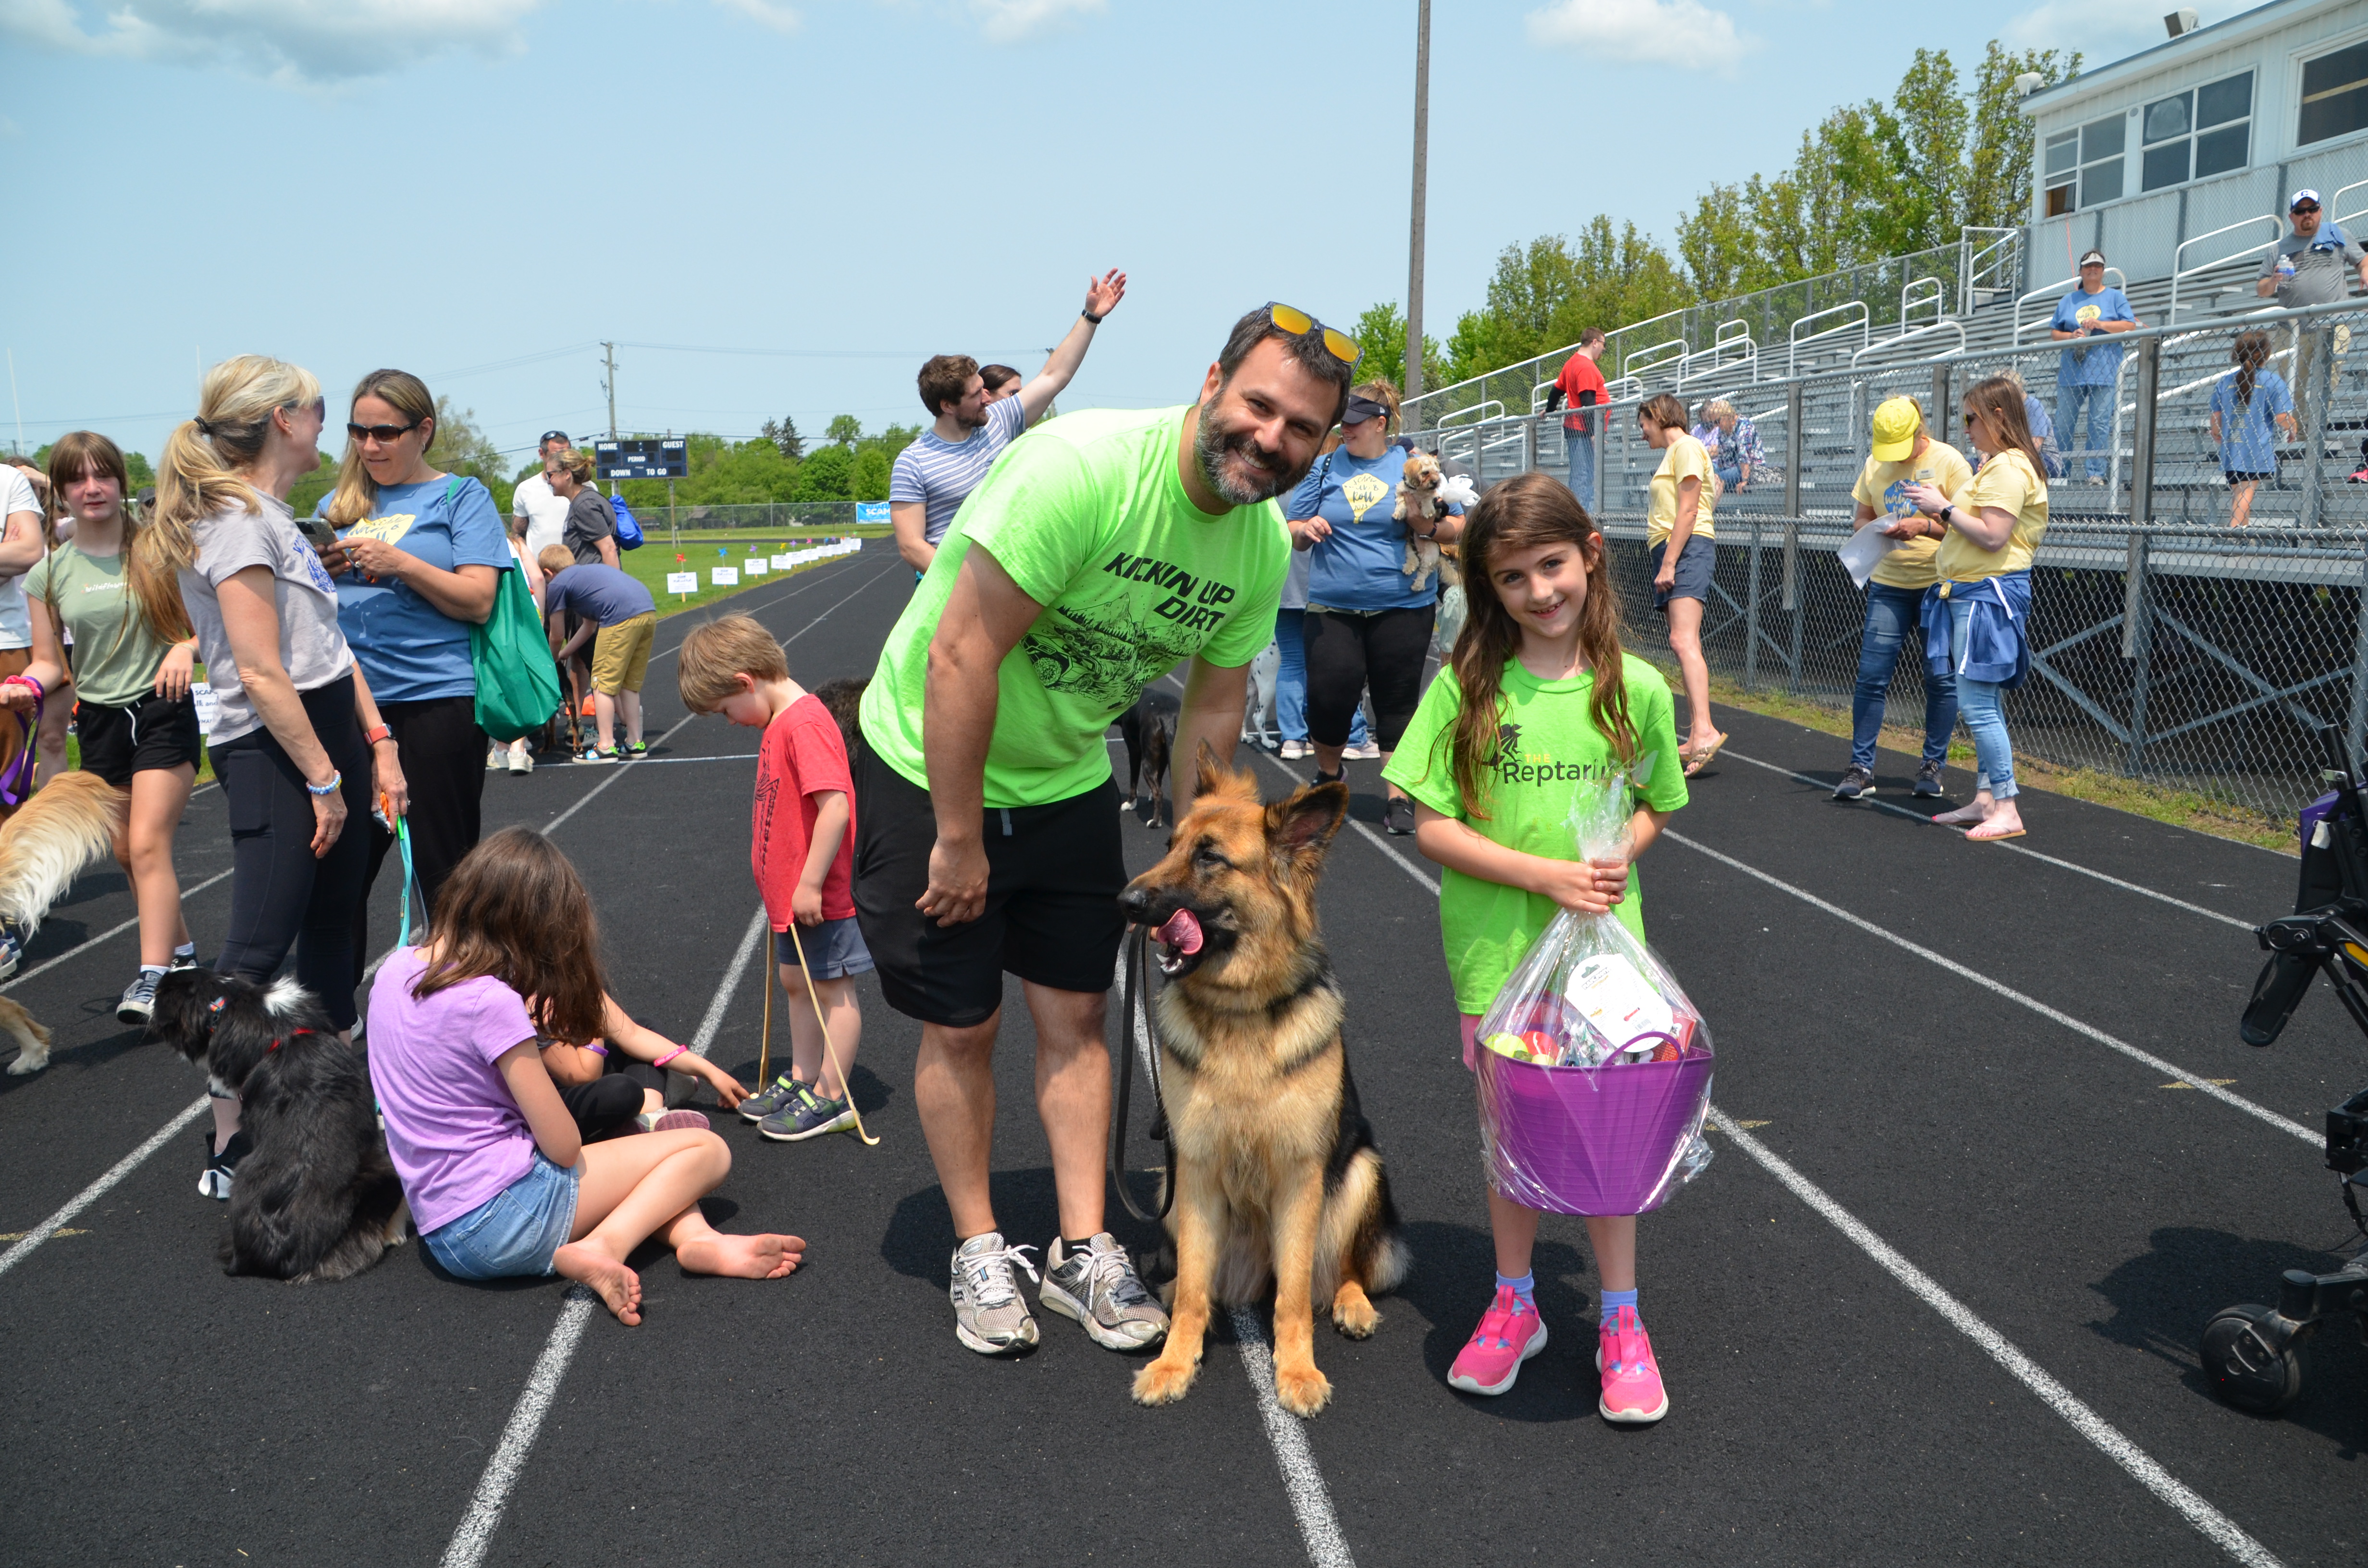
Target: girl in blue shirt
1367, 624
2252, 403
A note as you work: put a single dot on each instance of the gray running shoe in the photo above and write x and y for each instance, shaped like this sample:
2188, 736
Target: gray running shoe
774, 1097
1099, 1289
1856, 782
139, 1002
808, 1115
989, 1315
1927, 779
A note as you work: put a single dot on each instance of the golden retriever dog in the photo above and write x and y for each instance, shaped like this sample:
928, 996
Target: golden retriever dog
70, 822
1277, 1179
1420, 507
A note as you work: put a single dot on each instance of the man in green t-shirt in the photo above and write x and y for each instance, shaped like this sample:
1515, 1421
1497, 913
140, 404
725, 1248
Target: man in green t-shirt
1101, 549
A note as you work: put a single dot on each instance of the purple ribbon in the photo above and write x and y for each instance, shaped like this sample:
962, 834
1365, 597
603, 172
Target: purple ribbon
17, 781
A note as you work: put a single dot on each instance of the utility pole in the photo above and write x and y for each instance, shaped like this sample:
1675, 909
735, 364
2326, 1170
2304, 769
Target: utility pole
610, 385
1421, 181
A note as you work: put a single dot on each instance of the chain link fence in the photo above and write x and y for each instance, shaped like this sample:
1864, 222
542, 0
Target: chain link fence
2167, 645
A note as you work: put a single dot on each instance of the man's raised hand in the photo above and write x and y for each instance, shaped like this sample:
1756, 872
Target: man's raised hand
1103, 293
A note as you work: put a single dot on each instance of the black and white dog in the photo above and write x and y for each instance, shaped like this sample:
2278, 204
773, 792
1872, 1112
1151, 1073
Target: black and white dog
316, 1198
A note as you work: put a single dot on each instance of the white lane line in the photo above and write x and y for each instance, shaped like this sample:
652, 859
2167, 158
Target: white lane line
2245, 925
1375, 839
502, 1472
2214, 1525
652, 761
476, 1532
1302, 1481
2209, 1521
98, 1189
778, 598
2011, 994
89, 942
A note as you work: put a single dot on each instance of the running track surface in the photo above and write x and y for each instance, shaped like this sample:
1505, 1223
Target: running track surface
1936, 1300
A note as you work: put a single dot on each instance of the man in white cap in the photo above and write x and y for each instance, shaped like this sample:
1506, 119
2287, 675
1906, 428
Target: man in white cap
2086, 373
2313, 265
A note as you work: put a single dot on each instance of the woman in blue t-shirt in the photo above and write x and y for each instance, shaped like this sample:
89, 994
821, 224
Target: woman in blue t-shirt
416, 562
1367, 624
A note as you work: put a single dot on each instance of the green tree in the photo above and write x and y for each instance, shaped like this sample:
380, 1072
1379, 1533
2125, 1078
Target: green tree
828, 475
1998, 172
845, 430
308, 491
1381, 331
870, 477
1545, 293
783, 434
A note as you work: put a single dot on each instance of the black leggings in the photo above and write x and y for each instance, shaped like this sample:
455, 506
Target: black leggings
609, 1103
280, 896
1347, 651
442, 754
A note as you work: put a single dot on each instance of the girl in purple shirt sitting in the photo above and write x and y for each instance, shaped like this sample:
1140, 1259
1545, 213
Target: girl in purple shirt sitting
499, 1181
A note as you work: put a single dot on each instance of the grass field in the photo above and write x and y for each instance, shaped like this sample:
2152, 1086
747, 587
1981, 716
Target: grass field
701, 552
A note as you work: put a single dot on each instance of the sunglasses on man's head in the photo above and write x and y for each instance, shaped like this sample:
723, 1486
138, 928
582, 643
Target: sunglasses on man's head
381, 433
1299, 323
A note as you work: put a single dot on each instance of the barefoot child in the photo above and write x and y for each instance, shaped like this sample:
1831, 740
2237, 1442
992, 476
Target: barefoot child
1540, 700
802, 850
498, 1179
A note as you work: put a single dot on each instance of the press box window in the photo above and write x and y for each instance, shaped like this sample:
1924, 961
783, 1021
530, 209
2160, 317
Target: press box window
2334, 95
2193, 135
2083, 167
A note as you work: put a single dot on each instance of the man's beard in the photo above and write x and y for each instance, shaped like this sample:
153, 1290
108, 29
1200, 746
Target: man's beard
1214, 442
970, 421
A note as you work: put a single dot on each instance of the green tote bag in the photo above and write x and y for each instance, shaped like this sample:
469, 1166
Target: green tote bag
518, 685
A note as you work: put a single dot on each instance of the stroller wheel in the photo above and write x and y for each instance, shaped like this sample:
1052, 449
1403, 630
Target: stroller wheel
2243, 1369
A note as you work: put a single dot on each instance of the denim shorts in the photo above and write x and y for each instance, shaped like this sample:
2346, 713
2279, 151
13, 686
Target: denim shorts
834, 949
514, 1232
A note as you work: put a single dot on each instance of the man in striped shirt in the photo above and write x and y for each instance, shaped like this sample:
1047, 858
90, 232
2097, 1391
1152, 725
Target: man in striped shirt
935, 474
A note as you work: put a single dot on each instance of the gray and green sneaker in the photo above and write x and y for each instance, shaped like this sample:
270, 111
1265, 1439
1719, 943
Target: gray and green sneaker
989, 1315
1098, 1286
807, 1116
775, 1097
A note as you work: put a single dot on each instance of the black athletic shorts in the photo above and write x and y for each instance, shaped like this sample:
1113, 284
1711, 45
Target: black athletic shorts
154, 733
1054, 875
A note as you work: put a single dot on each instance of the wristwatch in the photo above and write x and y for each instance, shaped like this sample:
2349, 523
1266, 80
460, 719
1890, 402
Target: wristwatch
1091, 317
372, 737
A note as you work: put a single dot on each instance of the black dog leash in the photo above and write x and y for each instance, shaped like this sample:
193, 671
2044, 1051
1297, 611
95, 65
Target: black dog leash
1135, 993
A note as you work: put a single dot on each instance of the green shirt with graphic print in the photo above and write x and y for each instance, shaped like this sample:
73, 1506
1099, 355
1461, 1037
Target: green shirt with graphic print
1547, 747
1087, 516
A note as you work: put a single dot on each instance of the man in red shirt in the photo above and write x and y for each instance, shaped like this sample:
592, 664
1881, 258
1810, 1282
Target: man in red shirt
1580, 388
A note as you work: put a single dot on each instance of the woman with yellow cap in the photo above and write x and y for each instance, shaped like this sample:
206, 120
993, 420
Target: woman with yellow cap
1977, 617
1903, 454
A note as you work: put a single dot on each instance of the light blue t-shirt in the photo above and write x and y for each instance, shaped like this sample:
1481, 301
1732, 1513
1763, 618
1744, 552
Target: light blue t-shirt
2249, 441
2092, 362
407, 648
1357, 568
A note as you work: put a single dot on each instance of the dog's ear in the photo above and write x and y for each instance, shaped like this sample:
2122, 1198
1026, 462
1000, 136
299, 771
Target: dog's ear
1211, 777
1302, 825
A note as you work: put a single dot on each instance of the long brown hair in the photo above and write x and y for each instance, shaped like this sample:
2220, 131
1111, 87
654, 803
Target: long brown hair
2252, 352
357, 494
516, 910
1998, 401
1521, 513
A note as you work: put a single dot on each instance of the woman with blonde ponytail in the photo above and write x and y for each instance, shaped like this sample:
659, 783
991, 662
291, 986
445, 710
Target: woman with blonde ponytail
298, 744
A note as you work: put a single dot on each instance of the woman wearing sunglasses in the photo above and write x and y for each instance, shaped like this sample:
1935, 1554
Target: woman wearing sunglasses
417, 561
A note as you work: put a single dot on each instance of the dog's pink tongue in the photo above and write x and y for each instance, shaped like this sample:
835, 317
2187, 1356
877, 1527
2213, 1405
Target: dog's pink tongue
1182, 932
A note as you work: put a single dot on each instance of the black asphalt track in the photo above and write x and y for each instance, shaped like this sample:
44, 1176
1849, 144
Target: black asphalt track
1821, 1413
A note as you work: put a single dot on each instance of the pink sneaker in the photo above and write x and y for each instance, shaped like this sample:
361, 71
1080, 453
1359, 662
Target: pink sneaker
1510, 1332
1631, 1379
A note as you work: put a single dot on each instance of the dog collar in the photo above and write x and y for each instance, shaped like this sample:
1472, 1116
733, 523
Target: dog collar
291, 1035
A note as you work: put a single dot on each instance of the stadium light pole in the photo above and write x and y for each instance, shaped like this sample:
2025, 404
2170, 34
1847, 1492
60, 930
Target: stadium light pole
1421, 179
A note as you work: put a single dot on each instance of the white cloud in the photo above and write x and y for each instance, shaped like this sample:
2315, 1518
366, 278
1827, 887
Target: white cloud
295, 42
1009, 21
765, 14
1655, 32
2104, 30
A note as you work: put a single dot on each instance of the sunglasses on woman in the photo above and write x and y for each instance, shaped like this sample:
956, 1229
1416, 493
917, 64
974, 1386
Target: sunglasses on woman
1299, 323
381, 433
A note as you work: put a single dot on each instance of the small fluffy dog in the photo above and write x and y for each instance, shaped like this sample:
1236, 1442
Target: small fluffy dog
1149, 730
1419, 509
1277, 1179
65, 826
316, 1198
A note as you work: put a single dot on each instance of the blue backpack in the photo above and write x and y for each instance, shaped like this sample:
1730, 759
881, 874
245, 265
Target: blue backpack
629, 531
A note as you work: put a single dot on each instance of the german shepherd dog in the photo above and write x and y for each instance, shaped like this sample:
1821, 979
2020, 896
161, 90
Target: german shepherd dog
1277, 1179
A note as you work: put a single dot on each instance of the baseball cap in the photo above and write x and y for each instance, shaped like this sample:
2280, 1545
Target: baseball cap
2302, 196
550, 435
1895, 424
1361, 409
2092, 258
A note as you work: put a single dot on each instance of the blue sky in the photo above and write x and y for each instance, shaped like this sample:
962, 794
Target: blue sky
476, 190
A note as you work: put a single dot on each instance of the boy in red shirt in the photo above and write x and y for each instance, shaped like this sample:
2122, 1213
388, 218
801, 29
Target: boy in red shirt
802, 851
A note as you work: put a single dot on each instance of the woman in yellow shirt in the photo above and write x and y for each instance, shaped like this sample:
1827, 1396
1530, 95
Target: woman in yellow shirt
1678, 529
1978, 616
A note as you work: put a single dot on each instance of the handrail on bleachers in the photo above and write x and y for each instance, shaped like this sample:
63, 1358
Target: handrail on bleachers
2178, 273
1792, 353
1938, 296
1884, 345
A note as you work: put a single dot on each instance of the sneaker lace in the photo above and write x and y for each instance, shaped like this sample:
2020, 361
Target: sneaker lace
990, 1273
1112, 1270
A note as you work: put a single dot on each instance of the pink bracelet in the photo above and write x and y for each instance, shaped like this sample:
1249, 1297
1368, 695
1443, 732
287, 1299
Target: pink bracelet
25, 680
670, 1055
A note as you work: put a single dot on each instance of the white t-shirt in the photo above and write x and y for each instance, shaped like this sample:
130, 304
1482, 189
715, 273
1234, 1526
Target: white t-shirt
15, 495
311, 649
545, 514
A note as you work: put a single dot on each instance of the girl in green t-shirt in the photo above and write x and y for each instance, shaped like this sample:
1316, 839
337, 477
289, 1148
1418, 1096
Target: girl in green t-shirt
1540, 703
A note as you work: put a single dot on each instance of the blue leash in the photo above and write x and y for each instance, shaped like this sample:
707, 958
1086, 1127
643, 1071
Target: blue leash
403, 840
